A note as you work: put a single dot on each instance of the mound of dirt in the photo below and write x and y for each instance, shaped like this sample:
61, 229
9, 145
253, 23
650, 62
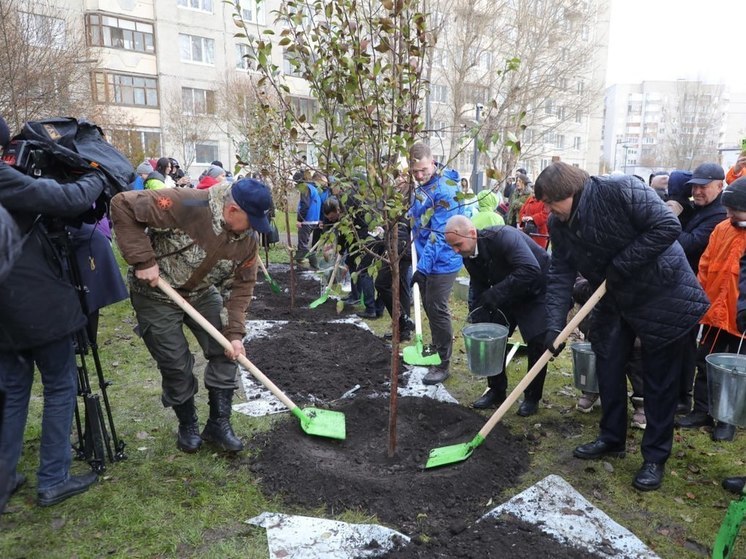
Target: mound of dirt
322, 359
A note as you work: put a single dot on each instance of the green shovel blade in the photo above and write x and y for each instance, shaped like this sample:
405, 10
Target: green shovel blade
322, 423
445, 455
415, 354
273, 285
729, 529
321, 300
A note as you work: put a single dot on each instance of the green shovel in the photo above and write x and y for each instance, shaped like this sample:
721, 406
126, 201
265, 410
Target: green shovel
460, 452
313, 421
325, 295
726, 537
273, 285
417, 354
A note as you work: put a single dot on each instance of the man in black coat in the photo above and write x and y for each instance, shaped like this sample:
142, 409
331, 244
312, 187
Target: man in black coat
508, 275
619, 230
40, 311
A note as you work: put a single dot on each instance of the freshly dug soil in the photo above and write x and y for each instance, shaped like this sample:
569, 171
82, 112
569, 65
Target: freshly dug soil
357, 474
267, 305
322, 359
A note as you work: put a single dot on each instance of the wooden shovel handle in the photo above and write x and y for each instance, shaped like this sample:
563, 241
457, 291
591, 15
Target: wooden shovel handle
222, 340
261, 265
334, 272
543, 360
416, 295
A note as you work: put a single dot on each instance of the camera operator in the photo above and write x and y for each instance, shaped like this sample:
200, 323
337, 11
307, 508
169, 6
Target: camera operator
40, 311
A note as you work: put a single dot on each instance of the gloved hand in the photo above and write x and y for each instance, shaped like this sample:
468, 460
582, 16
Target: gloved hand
489, 300
741, 320
551, 335
418, 278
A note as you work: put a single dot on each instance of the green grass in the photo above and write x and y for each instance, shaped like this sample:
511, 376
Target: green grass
163, 503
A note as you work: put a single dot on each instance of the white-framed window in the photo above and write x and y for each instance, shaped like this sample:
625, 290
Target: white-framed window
561, 112
120, 33
201, 5
253, 11
485, 60
43, 30
307, 106
145, 141
439, 93
244, 57
548, 107
545, 163
198, 101
193, 48
205, 153
579, 116
528, 136
559, 141
577, 142
289, 65
438, 126
125, 89
440, 57
581, 86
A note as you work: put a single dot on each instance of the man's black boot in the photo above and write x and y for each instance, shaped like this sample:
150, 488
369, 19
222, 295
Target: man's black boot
490, 399
218, 428
188, 440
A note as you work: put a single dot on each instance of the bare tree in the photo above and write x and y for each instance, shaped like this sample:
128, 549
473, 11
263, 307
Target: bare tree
187, 123
46, 63
691, 120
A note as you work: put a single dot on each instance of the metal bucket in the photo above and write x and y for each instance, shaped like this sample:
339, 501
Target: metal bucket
584, 367
461, 289
485, 347
726, 387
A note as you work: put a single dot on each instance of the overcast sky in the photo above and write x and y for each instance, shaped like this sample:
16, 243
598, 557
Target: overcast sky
671, 39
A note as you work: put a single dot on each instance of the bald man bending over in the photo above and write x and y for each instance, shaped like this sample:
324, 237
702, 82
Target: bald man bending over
508, 276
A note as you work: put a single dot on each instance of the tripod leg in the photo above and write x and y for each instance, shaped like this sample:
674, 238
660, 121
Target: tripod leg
94, 433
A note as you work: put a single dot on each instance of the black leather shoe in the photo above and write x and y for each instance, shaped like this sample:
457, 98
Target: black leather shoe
694, 419
683, 408
650, 477
435, 375
73, 486
369, 315
490, 399
597, 449
528, 407
723, 432
734, 484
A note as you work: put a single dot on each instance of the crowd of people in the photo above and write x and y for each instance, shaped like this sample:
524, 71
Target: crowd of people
669, 251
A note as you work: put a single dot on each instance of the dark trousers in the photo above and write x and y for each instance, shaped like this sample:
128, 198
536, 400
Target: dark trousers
714, 340
435, 302
661, 372
534, 390
688, 367
162, 329
385, 290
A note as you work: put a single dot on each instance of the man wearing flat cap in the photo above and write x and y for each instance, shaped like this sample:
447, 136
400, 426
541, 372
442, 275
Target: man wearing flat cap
202, 243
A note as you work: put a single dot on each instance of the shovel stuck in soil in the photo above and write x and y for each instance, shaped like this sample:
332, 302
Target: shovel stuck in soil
325, 295
313, 421
273, 285
418, 354
460, 452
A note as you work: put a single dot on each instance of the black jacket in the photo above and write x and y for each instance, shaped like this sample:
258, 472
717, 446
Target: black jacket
514, 268
38, 303
621, 231
10, 244
696, 231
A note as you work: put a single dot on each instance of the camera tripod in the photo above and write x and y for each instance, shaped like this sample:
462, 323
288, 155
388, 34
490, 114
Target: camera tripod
97, 441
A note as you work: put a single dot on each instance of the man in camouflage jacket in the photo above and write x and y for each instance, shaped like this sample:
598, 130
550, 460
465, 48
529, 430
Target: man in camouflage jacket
202, 243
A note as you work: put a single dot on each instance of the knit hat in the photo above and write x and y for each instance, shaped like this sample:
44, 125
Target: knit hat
678, 186
4, 133
144, 168
255, 199
214, 171
217, 163
734, 196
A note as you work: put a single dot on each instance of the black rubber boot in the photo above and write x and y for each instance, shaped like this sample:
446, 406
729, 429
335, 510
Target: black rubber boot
218, 428
189, 440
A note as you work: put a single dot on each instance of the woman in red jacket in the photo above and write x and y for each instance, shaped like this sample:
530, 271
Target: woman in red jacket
532, 220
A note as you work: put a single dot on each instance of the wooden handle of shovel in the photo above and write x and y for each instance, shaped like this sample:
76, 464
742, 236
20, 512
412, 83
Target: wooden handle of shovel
543, 360
416, 295
334, 272
261, 265
222, 340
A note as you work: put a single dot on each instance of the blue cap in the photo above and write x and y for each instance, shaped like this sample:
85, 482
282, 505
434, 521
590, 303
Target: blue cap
255, 199
706, 173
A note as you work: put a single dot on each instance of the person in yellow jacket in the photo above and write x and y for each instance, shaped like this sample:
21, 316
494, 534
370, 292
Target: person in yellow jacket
718, 273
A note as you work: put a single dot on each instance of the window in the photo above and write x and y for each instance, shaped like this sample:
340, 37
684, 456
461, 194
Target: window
205, 153
440, 58
307, 106
253, 11
120, 33
485, 60
438, 126
545, 163
193, 48
581, 86
145, 142
244, 57
579, 116
43, 31
480, 94
548, 107
560, 141
564, 84
198, 101
125, 89
291, 66
439, 93
561, 112
528, 136
201, 5
577, 142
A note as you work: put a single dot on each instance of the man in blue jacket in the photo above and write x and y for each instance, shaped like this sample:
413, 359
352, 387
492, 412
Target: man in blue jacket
619, 230
40, 311
437, 264
308, 216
